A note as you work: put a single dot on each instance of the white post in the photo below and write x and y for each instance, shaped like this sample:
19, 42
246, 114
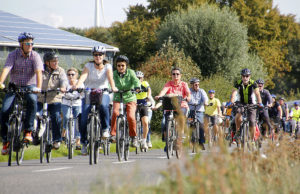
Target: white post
97, 13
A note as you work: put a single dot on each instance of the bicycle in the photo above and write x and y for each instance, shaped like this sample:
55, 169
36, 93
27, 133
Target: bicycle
15, 135
122, 130
72, 123
44, 128
170, 104
94, 98
194, 123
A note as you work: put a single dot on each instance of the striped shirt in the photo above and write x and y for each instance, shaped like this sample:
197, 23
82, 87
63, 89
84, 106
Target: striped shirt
22, 70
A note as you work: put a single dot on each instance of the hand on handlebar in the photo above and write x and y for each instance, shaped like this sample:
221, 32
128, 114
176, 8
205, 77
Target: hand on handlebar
36, 90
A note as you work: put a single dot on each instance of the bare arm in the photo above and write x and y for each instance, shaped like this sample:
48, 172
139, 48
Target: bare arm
39, 78
257, 94
233, 95
149, 93
162, 93
280, 111
111, 80
83, 77
4, 74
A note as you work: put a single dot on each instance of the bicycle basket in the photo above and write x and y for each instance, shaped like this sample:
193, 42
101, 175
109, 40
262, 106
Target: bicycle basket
170, 103
94, 97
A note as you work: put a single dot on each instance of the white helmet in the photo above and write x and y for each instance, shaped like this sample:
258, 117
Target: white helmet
99, 49
139, 74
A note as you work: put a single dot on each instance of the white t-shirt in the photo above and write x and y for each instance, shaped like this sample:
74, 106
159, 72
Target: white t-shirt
73, 95
97, 78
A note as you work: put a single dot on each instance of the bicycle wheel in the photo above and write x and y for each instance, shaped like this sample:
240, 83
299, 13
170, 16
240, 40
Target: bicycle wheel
169, 138
178, 144
120, 145
19, 145
41, 124
244, 137
11, 139
70, 133
139, 135
126, 142
91, 126
195, 137
97, 141
48, 136
211, 136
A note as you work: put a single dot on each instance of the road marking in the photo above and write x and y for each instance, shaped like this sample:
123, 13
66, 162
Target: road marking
162, 157
53, 169
123, 162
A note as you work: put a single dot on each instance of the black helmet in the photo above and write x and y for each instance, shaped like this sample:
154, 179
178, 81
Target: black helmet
25, 35
122, 58
246, 71
48, 56
194, 80
260, 81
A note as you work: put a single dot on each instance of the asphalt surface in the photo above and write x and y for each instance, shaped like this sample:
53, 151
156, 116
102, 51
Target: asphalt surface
77, 176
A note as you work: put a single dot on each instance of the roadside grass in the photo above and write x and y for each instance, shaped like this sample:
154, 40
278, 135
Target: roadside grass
33, 152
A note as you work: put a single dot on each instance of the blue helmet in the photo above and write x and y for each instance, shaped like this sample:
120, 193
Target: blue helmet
296, 103
211, 91
273, 95
25, 35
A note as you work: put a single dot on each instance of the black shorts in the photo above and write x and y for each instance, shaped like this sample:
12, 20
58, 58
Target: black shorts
143, 111
212, 119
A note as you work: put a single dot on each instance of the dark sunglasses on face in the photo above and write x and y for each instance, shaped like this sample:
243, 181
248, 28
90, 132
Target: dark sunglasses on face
71, 74
29, 43
175, 73
99, 54
245, 75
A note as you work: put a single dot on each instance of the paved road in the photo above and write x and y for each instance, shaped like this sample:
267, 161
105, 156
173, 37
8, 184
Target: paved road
77, 176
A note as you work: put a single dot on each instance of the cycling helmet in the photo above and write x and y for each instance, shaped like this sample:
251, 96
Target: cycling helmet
122, 58
211, 91
48, 56
260, 81
296, 103
194, 80
99, 49
281, 98
273, 95
139, 74
25, 35
246, 71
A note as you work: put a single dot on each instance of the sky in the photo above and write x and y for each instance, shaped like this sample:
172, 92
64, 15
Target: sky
80, 13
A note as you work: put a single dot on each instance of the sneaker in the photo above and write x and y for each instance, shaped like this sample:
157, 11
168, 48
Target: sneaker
149, 144
28, 136
84, 150
56, 145
105, 134
78, 147
144, 144
134, 142
113, 139
77, 143
5, 148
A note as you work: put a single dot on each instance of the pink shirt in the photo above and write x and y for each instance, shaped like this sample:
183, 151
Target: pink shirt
181, 89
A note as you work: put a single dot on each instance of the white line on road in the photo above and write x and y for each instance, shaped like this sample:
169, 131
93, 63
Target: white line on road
123, 162
53, 169
162, 157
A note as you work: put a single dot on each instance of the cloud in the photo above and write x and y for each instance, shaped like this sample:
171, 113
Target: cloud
54, 20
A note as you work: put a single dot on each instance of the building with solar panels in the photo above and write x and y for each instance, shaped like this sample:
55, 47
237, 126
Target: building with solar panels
74, 50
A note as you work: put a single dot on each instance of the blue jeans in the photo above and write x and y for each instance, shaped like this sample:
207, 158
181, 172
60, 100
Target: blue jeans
200, 118
7, 107
66, 111
54, 110
104, 116
149, 131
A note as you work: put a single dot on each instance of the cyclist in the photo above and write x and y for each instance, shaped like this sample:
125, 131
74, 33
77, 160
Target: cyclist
199, 97
142, 98
97, 74
125, 79
275, 111
246, 89
72, 74
295, 115
150, 112
267, 101
25, 68
285, 114
177, 87
54, 77
212, 112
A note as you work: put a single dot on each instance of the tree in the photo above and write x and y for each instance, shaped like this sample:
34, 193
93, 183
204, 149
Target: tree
100, 34
214, 38
139, 12
136, 39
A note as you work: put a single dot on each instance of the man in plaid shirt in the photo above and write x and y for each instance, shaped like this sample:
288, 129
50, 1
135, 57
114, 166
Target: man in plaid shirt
25, 68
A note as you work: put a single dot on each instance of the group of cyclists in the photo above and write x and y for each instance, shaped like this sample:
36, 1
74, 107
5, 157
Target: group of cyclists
27, 70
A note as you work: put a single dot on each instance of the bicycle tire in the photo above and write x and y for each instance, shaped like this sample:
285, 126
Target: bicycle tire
96, 141
70, 138
48, 142
139, 136
195, 137
91, 139
120, 138
19, 145
211, 136
169, 139
178, 145
41, 123
126, 142
10, 138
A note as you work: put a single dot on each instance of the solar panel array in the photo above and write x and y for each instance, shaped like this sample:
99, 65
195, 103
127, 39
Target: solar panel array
45, 36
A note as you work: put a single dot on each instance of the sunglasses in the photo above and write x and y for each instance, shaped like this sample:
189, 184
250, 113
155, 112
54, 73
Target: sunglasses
98, 55
71, 74
29, 43
175, 73
245, 75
